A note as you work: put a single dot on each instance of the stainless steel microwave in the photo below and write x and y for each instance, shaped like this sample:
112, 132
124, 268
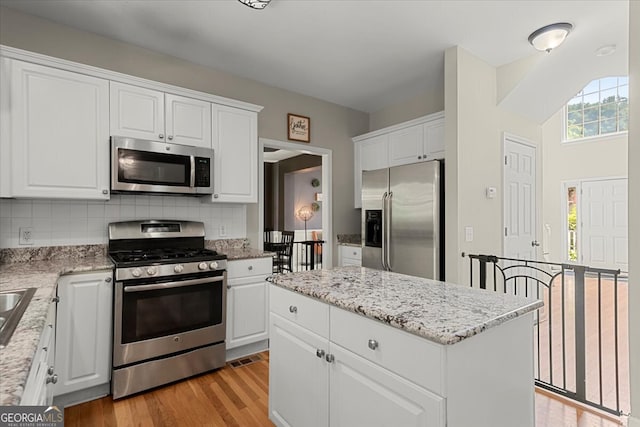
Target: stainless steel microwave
142, 166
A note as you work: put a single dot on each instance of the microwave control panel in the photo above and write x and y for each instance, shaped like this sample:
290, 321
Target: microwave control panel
203, 172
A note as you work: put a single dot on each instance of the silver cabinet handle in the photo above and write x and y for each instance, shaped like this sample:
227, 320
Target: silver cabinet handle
250, 267
105, 191
161, 136
52, 379
535, 243
107, 279
419, 157
170, 137
50, 370
293, 309
320, 353
215, 196
55, 299
329, 358
373, 344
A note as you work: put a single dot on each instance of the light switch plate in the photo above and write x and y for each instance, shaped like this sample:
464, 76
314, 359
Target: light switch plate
222, 231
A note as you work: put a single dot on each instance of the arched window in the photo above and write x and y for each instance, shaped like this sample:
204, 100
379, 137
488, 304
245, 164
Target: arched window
601, 108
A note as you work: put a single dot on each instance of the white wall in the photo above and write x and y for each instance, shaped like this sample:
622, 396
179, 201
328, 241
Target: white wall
634, 209
64, 222
420, 105
597, 158
474, 127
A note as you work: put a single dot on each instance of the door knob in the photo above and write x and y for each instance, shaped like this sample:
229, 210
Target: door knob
535, 243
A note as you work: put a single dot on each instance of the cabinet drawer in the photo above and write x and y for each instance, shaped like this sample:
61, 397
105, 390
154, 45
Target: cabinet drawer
352, 253
409, 356
248, 267
299, 309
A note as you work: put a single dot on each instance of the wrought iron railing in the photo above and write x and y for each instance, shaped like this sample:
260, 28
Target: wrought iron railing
581, 332
307, 255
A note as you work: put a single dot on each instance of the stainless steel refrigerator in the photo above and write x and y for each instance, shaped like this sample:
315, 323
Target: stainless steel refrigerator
403, 219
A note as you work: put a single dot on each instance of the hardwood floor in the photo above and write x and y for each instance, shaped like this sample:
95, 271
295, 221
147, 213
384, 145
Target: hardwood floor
239, 397
226, 397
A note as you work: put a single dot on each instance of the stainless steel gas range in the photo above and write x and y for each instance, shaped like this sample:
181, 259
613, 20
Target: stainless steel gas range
169, 304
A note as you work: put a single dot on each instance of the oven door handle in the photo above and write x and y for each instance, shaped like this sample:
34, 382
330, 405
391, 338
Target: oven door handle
169, 285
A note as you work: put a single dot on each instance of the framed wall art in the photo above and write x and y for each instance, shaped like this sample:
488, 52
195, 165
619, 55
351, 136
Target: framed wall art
298, 128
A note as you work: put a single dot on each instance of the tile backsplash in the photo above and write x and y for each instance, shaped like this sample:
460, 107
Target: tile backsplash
77, 222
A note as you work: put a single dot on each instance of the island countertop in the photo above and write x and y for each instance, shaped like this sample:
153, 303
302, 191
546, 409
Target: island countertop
442, 312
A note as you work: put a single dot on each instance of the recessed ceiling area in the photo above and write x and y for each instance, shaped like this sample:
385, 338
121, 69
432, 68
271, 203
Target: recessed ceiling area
365, 55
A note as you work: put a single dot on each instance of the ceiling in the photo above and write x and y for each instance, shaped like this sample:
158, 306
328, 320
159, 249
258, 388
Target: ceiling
361, 54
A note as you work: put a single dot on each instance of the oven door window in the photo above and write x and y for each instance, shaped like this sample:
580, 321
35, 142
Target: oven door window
145, 167
158, 313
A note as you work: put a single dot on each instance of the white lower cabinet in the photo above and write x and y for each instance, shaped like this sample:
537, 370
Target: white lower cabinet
315, 382
350, 255
84, 324
38, 390
247, 309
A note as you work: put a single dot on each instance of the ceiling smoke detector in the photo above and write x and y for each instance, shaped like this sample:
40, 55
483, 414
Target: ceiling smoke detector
550, 36
256, 4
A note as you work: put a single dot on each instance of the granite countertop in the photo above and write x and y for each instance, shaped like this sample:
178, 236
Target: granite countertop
245, 253
353, 245
441, 312
16, 357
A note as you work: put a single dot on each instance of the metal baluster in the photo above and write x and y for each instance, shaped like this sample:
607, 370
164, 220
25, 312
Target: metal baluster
564, 338
615, 323
600, 334
579, 295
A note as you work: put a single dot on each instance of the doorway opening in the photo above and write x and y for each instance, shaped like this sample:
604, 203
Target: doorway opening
295, 199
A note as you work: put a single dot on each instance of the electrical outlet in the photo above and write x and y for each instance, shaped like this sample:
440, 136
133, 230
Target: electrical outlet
25, 236
222, 231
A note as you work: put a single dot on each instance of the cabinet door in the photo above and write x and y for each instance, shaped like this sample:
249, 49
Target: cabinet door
365, 394
235, 141
298, 378
406, 146
136, 112
60, 133
188, 121
84, 331
247, 314
39, 384
434, 139
369, 154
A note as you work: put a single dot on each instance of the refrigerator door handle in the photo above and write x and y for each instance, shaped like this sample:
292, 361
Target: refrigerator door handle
384, 225
387, 230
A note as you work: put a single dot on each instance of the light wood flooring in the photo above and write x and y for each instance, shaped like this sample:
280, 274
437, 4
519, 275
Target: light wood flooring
239, 397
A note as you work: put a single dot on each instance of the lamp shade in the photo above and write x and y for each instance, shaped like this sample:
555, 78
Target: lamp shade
305, 213
551, 36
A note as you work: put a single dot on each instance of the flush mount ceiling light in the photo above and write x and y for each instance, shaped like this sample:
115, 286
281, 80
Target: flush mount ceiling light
255, 4
550, 37
606, 50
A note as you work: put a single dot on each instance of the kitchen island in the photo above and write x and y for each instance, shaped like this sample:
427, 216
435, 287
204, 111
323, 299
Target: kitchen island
355, 346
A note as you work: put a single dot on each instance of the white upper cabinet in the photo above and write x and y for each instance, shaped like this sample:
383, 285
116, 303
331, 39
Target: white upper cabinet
418, 140
136, 112
57, 142
143, 113
188, 121
235, 144
406, 146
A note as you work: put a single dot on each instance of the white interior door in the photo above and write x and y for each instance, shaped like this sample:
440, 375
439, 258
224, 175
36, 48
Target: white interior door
519, 200
604, 224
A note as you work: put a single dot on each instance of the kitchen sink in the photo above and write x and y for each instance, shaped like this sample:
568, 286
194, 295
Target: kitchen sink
13, 303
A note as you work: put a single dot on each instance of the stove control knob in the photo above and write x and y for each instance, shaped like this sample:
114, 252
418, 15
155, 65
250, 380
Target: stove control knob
178, 268
136, 272
213, 265
202, 266
151, 271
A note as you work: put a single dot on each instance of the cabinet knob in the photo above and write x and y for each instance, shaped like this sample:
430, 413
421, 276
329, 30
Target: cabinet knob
250, 267
50, 370
55, 299
107, 279
355, 253
105, 191
170, 137
329, 358
373, 344
52, 379
320, 353
161, 136
293, 309
419, 157
215, 196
